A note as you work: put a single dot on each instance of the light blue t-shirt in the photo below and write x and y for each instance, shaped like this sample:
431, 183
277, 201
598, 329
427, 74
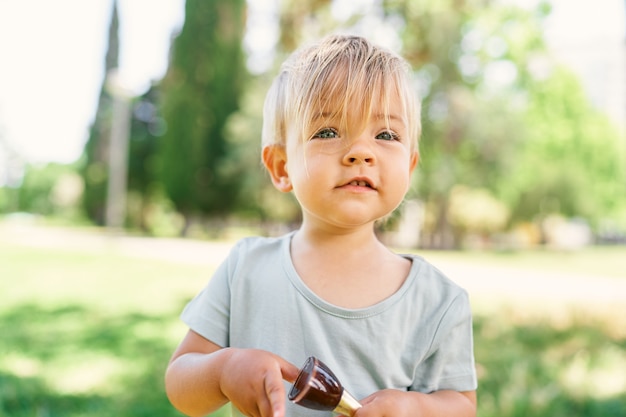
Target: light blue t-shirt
418, 339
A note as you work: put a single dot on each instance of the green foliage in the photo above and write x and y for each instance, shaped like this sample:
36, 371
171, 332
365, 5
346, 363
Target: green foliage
8, 199
199, 92
470, 116
144, 190
51, 189
258, 199
497, 115
571, 161
476, 211
146, 126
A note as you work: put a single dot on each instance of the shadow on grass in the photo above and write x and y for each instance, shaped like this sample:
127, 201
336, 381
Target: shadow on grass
73, 361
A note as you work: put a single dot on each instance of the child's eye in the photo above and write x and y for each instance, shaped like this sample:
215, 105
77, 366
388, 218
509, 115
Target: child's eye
387, 135
326, 133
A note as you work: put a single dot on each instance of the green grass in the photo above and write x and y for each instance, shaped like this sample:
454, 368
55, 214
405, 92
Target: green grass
106, 281
537, 369
87, 334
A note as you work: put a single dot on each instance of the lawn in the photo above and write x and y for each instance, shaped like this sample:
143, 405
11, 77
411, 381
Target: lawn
89, 333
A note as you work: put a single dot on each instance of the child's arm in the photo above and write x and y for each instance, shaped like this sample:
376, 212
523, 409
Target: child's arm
394, 403
201, 377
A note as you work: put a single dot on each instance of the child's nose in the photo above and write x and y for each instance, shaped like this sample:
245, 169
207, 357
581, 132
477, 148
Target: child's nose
359, 152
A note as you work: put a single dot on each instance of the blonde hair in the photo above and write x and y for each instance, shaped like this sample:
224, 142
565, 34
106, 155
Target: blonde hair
332, 77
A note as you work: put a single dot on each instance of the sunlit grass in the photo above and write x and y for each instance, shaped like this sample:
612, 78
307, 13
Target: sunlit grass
106, 281
536, 369
600, 376
608, 261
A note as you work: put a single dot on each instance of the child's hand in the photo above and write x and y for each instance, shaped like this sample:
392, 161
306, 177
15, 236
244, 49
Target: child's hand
396, 403
387, 403
253, 381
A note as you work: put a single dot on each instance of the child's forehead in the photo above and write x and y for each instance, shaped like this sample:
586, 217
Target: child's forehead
383, 105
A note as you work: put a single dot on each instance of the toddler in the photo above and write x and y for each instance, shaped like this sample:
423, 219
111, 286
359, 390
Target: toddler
341, 123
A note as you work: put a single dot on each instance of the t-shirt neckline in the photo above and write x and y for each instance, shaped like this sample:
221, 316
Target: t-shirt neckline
336, 310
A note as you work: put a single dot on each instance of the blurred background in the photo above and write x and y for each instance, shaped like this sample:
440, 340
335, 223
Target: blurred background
130, 162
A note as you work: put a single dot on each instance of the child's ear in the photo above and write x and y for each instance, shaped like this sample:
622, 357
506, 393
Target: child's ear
415, 158
275, 161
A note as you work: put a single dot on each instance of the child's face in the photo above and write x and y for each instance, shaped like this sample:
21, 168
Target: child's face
347, 179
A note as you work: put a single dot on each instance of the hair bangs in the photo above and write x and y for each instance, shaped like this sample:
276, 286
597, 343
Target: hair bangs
341, 81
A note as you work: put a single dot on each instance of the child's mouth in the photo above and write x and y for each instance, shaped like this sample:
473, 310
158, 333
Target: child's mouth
360, 184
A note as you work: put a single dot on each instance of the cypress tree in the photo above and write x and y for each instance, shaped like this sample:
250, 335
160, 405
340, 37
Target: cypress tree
94, 172
199, 92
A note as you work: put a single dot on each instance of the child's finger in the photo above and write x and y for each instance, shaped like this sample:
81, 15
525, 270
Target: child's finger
288, 370
275, 392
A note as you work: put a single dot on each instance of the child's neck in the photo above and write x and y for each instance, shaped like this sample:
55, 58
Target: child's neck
342, 240
351, 269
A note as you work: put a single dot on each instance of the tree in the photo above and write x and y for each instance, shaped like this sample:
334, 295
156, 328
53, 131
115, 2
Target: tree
571, 162
199, 92
94, 171
146, 128
470, 119
50, 190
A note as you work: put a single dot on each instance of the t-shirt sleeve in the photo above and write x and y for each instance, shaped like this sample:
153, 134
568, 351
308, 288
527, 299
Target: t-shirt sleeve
450, 364
208, 313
